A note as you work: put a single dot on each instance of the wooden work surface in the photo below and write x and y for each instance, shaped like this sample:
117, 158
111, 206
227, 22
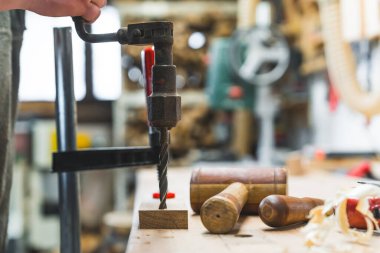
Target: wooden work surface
252, 235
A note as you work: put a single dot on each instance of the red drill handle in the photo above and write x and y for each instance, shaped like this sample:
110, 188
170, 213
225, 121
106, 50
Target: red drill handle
147, 61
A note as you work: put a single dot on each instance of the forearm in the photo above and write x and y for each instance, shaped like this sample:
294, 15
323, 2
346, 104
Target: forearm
88, 9
6, 5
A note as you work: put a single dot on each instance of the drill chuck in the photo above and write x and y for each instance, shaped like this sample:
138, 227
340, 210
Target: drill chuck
164, 104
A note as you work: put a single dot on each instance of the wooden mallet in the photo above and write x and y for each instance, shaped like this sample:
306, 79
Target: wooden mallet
220, 213
260, 183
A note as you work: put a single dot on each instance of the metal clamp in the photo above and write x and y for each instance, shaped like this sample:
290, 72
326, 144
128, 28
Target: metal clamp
163, 104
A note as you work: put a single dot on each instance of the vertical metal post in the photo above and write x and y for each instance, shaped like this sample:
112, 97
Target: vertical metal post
66, 133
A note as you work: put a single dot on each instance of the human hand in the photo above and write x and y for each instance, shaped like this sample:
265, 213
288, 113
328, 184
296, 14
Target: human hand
89, 10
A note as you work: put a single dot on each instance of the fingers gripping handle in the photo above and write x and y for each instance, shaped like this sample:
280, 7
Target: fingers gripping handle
92, 38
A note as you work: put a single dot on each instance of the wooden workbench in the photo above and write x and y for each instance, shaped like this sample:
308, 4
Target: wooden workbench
251, 236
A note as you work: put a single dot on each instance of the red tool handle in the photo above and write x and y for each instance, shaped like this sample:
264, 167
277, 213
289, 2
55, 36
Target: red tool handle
147, 61
356, 219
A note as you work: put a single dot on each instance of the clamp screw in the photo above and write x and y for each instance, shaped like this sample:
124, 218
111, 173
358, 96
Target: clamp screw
136, 33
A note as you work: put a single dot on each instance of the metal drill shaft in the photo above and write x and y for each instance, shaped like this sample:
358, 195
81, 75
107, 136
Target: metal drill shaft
162, 166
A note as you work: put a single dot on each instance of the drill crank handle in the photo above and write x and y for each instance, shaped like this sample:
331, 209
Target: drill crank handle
159, 34
92, 38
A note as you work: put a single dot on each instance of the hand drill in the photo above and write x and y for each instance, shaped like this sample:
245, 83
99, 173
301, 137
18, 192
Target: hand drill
164, 104
164, 109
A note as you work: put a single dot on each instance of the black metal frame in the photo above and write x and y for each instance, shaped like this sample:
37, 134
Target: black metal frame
104, 158
160, 34
66, 132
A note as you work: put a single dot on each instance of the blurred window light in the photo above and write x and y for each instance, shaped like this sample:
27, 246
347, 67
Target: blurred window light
197, 40
263, 14
37, 74
107, 76
37, 77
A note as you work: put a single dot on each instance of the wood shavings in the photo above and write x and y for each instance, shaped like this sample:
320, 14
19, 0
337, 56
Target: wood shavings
322, 223
332, 248
318, 227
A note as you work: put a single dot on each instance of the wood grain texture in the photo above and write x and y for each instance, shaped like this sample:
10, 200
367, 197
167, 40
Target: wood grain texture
260, 182
280, 211
174, 217
250, 233
220, 213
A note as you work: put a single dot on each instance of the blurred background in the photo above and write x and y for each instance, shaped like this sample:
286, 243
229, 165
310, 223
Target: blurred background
275, 83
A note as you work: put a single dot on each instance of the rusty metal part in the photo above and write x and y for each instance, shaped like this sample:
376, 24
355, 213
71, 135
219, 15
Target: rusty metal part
164, 105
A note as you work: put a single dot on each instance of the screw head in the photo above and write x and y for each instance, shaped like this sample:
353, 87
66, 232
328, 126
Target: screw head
136, 33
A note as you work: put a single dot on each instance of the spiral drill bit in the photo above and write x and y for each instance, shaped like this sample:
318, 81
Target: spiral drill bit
162, 166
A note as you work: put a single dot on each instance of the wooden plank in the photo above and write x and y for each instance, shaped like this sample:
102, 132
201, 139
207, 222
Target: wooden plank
250, 233
174, 217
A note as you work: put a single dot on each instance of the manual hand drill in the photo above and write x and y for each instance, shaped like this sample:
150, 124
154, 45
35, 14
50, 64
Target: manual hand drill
164, 105
159, 123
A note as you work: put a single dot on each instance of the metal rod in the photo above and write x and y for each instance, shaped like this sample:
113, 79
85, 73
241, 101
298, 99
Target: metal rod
92, 38
66, 133
89, 69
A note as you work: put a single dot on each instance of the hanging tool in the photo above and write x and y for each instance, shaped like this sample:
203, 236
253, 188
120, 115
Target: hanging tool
220, 213
281, 211
260, 182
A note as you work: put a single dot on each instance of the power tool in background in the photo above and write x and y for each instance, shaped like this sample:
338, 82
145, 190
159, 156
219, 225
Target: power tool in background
243, 69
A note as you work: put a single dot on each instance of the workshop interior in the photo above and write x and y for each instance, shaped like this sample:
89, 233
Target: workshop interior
186, 126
